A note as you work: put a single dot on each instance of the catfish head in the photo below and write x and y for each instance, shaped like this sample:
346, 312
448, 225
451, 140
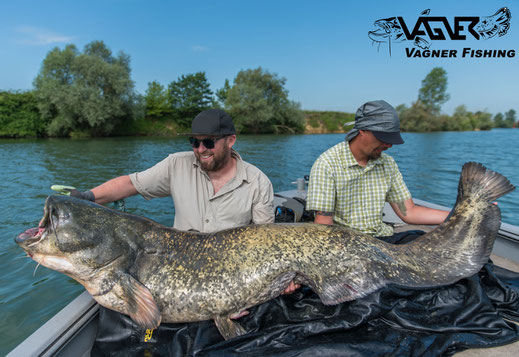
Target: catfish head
497, 24
98, 247
80, 239
388, 30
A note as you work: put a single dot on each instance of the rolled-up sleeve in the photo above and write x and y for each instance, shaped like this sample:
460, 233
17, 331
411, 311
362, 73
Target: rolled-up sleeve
153, 182
263, 204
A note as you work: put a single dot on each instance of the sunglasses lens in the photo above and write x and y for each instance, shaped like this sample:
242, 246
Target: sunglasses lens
194, 142
208, 143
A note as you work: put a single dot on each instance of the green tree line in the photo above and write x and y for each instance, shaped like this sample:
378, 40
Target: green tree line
91, 93
424, 114
257, 101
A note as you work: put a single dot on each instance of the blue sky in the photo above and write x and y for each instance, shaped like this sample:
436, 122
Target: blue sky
321, 47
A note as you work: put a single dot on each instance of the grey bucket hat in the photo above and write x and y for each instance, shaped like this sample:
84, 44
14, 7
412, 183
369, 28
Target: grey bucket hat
381, 119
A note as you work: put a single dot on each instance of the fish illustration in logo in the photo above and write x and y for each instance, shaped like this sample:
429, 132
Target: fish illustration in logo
497, 24
390, 30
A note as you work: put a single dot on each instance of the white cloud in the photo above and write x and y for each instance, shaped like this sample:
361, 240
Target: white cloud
37, 36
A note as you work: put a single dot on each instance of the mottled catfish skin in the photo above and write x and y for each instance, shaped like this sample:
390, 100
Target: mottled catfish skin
153, 273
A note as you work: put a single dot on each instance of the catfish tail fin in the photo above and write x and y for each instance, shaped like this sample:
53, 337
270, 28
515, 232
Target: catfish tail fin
461, 245
480, 183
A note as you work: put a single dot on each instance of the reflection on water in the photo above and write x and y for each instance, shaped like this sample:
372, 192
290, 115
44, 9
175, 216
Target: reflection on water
430, 163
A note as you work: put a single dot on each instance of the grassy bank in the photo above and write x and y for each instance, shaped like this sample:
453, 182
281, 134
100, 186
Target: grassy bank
321, 122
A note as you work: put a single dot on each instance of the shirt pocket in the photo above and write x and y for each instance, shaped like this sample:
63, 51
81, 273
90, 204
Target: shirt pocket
232, 210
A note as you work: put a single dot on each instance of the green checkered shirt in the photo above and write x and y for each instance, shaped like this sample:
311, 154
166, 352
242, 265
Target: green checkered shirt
355, 194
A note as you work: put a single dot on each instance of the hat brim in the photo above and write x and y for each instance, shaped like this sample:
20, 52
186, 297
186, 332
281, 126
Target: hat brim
206, 134
393, 138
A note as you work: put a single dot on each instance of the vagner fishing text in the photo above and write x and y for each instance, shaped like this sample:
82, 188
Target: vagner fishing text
465, 53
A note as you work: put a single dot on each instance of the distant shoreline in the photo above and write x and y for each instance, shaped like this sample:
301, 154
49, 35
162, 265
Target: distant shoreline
316, 122
311, 131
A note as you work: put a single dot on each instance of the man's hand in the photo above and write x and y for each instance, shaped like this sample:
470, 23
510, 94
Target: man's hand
86, 195
71, 191
291, 288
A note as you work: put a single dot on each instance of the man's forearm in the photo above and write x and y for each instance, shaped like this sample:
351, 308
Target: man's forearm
428, 216
323, 217
114, 190
413, 214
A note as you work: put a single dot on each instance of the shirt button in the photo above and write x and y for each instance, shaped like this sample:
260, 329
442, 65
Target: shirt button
206, 221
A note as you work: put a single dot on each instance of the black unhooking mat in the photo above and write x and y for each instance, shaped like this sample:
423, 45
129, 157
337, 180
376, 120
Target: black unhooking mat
392, 321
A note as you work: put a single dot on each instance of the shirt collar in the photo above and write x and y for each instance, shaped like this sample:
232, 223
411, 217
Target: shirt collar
237, 180
349, 159
241, 173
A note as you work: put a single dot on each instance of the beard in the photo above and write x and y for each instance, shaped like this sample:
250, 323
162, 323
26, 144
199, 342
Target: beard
376, 153
219, 160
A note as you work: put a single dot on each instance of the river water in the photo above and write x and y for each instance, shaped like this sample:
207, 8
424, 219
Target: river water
430, 164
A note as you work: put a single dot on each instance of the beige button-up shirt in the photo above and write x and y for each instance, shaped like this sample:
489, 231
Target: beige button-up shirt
246, 198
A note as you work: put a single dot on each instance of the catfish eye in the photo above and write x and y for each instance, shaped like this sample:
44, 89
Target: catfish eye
64, 215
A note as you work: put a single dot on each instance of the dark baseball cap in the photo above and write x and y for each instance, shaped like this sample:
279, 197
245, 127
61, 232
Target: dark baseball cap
214, 122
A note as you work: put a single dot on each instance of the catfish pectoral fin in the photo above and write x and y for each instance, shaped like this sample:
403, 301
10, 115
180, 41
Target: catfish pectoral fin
228, 328
336, 289
142, 307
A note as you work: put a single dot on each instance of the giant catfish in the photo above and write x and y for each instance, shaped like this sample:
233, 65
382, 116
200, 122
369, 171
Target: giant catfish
154, 273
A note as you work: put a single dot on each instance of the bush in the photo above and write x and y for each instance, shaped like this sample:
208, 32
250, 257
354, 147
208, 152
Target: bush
19, 115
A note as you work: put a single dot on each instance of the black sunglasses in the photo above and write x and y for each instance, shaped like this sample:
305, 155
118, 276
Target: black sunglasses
208, 142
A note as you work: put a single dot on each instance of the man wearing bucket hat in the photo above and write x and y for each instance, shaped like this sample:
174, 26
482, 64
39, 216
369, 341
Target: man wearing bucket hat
211, 186
350, 182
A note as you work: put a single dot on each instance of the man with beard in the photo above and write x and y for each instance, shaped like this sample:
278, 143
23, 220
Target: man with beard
350, 182
212, 187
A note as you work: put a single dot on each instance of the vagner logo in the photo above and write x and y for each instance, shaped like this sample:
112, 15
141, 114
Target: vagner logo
437, 28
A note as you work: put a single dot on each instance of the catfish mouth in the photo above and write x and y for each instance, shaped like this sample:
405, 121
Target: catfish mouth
378, 35
33, 236
30, 237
